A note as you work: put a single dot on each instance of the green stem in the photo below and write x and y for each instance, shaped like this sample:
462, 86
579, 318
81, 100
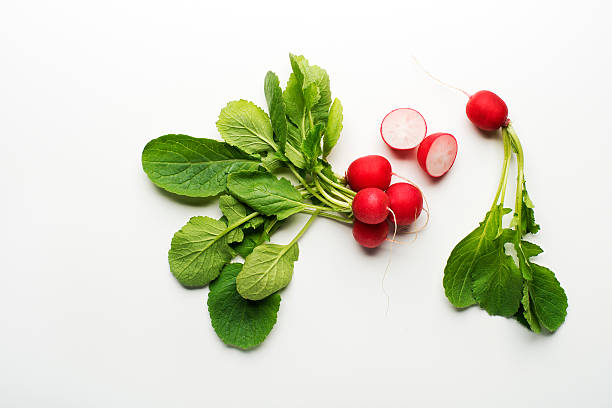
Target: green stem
334, 184
240, 222
503, 181
314, 193
344, 197
339, 203
319, 207
304, 228
271, 225
330, 216
520, 178
303, 182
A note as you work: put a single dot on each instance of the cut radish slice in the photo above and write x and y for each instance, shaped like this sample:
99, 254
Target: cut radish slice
437, 153
403, 129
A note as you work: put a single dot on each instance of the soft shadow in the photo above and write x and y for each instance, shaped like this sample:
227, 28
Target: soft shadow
458, 309
403, 154
370, 251
489, 134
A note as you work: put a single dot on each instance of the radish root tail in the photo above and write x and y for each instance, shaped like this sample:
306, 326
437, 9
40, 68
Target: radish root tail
438, 80
382, 282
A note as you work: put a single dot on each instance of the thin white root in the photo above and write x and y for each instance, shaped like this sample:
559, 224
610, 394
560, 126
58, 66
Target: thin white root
392, 240
438, 80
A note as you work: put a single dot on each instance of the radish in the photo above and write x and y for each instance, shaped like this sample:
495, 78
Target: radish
487, 111
403, 129
369, 171
406, 202
370, 235
436, 154
371, 205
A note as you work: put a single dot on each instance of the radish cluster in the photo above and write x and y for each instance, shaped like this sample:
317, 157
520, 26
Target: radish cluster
379, 202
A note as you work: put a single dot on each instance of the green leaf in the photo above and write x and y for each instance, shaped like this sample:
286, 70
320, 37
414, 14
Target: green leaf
200, 249
273, 161
192, 167
251, 240
462, 260
265, 193
314, 83
311, 147
239, 322
297, 129
530, 249
234, 211
266, 270
528, 224
334, 127
497, 282
276, 107
530, 317
255, 237
243, 124
296, 110
329, 172
549, 302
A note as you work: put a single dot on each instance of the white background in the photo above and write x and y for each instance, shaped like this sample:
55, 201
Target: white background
90, 315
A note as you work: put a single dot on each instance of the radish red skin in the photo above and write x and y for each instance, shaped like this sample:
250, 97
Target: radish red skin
487, 111
369, 171
406, 202
371, 205
424, 149
370, 235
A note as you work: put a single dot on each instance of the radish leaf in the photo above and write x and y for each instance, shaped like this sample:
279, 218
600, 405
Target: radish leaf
462, 260
334, 127
244, 125
239, 322
266, 270
548, 297
311, 147
276, 109
234, 211
192, 167
527, 305
497, 282
265, 193
200, 249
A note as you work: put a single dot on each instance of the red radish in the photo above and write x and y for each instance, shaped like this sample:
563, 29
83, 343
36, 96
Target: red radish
403, 129
406, 202
371, 205
370, 235
486, 110
436, 154
369, 171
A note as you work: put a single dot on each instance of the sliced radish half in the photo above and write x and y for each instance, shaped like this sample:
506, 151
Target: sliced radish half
437, 153
403, 129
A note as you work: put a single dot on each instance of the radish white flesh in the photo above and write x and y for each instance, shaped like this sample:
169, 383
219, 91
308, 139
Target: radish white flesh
403, 129
437, 153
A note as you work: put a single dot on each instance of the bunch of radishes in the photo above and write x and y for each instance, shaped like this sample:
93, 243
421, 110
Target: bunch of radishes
377, 201
401, 204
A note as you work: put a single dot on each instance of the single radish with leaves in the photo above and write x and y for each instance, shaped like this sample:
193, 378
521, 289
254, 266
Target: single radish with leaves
479, 269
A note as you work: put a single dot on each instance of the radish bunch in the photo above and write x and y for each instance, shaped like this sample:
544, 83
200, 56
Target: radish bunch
379, 202
406, 129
